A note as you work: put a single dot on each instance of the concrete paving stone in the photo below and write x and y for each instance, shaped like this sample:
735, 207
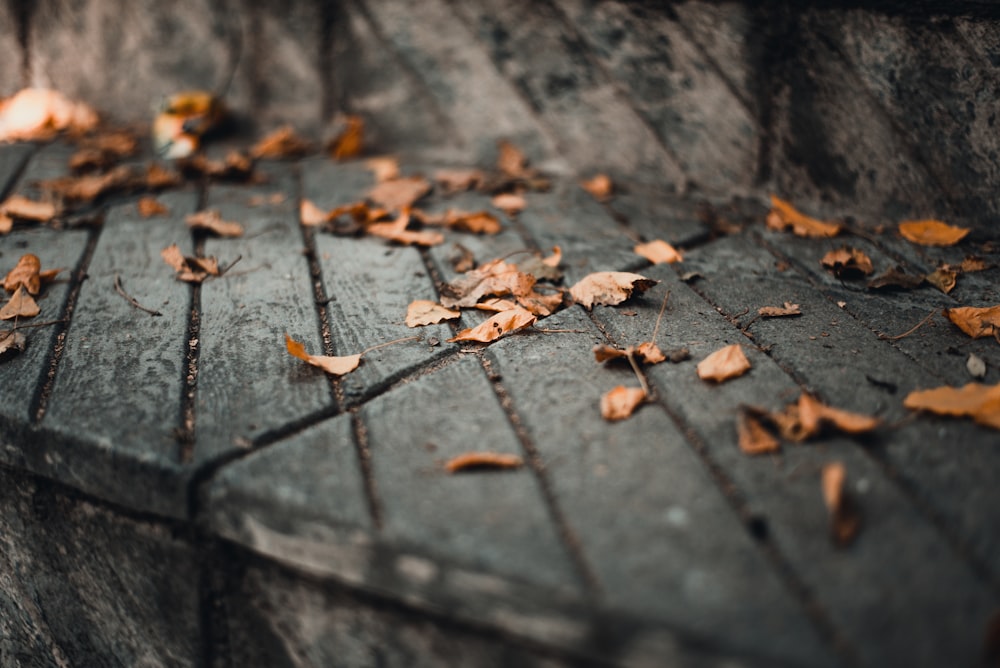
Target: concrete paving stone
12, 159
646, 512
675, 88
931, 454
901, 571
82, 585
12, 68
654, 214
245, 316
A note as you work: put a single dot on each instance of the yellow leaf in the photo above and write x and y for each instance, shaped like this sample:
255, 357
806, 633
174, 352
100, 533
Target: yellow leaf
723, 364
931, 232
337, 366
425, 312
501, 324
620, 402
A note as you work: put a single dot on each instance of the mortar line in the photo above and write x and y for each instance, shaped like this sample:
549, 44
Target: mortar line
189, 381
6, 188
40, 402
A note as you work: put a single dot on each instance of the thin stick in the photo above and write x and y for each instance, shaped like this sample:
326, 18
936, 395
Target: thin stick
130, 299
562, 331
389, 343
18, 326
663, 307
222, 272
920, 324
638, 373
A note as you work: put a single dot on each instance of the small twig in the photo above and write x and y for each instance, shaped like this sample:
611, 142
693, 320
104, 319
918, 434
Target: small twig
389, 343
920, 324
18, 326
120, 289
222, 272
663, 307
638, 373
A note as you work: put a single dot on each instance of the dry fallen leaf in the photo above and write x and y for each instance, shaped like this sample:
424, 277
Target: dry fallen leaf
980, 402
89, 187
971, 264
943, 278
350, 142
754, 439
977, 322
27, 272
21, 305
311, 215
847, 263
620, 402
17, 206
788, 309
814, 415
501, 324
496, 305
658, 251
477, 222
184, 119
425, 312
511, 161
211, 221
383, 168
38, 114
452, 181
396, 231
608, 288
648, 353
12, 341
510, 203
931, 232
189, 269
150, 206
337, 366
472, 461
600, 186
845, 518
103, 150
496, 278
281, 143
235, 166
895, 278
723, 364
399, 193
783, 215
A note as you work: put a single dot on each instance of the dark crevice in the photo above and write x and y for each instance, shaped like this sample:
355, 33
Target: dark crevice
58, 342
185, 433
333, 95
360, 432
772, 22
22, 11
18, 172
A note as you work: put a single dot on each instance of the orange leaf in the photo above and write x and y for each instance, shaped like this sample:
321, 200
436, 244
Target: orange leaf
931, 232
471, 461
608, 288
17, 206
943, 278
754, 439
337, 366
189, 269
658, 251
6, 223
779, 311
620, 402
384, 168
425, 312
510, 160
972, 263
599, 186
38, 113
505, 322
554, 259
783, 215
980, 402
813, 414
496, 305
350, 142
457, 180
399, 193
281, 143
649, 353
493, 279
311, 215
393, 232
976, 321
845, 518
150, 206
477, 222
509, 203
21, 305
25, 273
211, 221
847, 263
723, 364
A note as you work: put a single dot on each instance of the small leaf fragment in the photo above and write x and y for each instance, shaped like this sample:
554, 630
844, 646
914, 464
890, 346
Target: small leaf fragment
932, 232
845, 517
350, 141
943, 278
501, 324
383, 168
21, 305
399, 193
511, 160
283, 142
452, 181
18, 206
26, 273
599, 186
471, 461
813, 415
848, 263
620, 402
789, 309
723, 364
337, 366
12, 341
311, 215
895, 278
608, 288
211, 221
426, 312
189, 269
150, 206
754, 439
783, 215
510, 203
658, 251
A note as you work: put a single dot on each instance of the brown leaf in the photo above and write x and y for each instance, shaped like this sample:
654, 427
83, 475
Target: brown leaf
608, 288
26, 273
189, 269
943, 278
104, 150
814, 415
723, 364
311, 215
453, 181
603, 353
89, 187
337, 366
158, 177
12, 341
977, 322
845, 517
754, 439
477, 222
783, 215
350, 142
493, 279
396, 231
539, 304
501, 324
471, 461
510, 203
600, 187
235, 166
383, 168
895, 278
211, 221
495, 305
38, 114
511, 161
620, 402
17, 206
150, 206
972, 263
980, 402
273, 199
281, 143
425, 312
399, 193
21, 305
847, 263
6, 223
648, 353
788, 309
658, 251
931, 232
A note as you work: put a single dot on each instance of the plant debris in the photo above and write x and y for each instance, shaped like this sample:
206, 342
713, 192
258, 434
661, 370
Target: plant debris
27, 273
608, 288
475, 461
620, 402
658, 251
783, 216
599, 186
977, 322
38, 114
211, 221
845, 516
426, 312
501, 324
150, 206
20, 305
350, 141
337, 366
190, 269
283, 142
724, 364
848, 263
931, 232
980, 402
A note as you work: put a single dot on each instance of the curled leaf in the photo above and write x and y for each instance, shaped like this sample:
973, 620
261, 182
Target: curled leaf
658, 251
211, 221
471, 461
620, 402
789, 309
608, 288
813, 415
425, 312
501, 324
723, 364
12, 341
847, 263
189, 269
845, 517
975, 321
943, 278
783, 215
496, 278
337, 366
931, 232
